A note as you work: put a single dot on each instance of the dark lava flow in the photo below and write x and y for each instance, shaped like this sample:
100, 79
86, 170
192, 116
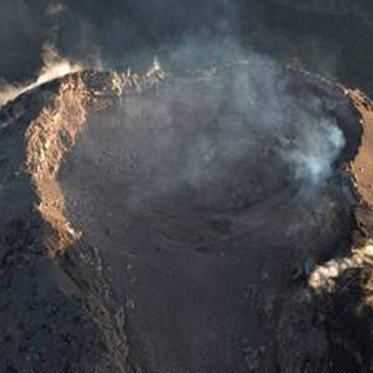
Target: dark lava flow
197, 207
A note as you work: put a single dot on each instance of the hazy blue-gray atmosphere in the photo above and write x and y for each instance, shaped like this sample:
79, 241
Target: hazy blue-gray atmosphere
330, 37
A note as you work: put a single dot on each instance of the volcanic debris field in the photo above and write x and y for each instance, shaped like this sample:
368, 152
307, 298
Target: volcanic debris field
214, 221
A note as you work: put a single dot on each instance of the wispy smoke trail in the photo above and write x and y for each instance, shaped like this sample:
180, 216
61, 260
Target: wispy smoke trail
54, 67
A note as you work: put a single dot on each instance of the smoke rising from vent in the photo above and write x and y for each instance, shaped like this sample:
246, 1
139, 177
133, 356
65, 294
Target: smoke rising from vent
54, 67
308, 141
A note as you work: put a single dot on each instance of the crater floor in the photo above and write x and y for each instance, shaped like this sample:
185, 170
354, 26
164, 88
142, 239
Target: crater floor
202, 217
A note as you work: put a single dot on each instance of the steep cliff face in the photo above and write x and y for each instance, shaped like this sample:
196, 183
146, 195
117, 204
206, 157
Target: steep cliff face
57, 309
180, 226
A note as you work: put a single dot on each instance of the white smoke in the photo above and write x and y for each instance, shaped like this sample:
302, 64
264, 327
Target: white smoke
54, 67
313, 157
246, 98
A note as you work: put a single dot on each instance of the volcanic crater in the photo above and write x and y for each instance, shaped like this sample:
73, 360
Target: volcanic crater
202, 222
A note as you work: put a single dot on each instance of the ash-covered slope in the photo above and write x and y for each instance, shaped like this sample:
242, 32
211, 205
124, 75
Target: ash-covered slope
219, 221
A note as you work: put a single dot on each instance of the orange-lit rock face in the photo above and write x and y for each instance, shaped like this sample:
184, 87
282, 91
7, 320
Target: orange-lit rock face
362, 167
50, 137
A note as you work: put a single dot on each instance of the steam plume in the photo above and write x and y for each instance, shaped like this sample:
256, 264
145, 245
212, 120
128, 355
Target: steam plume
54, 67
